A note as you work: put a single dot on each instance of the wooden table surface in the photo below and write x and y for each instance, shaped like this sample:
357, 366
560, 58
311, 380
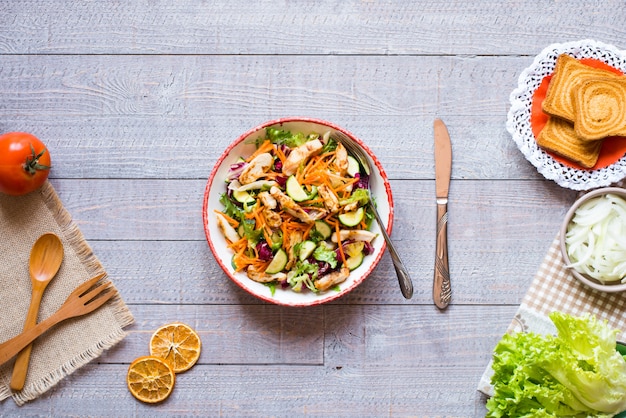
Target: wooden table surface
136, 101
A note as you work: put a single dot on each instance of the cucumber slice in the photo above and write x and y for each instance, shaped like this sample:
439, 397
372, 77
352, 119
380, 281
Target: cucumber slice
232, 262
295, 190
278, 262
354, 251
352, 218
306, 249
243, 196
323, 229
353, 166
277, 240
354, 261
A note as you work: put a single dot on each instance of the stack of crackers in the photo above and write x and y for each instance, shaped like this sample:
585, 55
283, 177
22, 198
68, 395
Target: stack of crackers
586, 105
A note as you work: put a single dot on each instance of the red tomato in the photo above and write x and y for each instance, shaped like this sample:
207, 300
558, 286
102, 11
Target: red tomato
24, 163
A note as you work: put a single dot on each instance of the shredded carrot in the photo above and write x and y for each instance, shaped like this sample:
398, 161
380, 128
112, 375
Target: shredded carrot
303, 169
307, 232
335, 223
239, 246
280, 154
315, 169
266, 146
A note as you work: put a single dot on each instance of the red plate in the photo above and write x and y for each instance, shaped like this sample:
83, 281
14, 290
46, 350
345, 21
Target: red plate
613, 148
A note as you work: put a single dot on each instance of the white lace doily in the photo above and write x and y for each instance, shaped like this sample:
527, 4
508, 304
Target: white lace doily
518, 122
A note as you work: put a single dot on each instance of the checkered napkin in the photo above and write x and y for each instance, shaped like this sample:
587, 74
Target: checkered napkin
554, 289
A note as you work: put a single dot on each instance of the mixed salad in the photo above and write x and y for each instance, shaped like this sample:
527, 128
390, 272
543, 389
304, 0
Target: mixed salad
295, 212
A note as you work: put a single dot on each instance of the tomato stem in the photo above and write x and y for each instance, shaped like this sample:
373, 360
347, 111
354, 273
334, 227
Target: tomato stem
31, 166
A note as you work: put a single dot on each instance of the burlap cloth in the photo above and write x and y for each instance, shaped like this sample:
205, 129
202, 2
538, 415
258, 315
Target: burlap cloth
72, 343
555, 289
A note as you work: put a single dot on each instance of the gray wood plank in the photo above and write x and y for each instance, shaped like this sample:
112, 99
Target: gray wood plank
166, 147
484, 27
260, 390
176, 114
377, 361
204, 86
231, 334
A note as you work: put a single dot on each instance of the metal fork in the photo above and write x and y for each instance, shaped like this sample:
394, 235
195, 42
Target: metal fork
406, 286
84, 299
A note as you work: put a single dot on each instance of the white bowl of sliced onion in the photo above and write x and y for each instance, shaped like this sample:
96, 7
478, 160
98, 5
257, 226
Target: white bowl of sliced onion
593, 239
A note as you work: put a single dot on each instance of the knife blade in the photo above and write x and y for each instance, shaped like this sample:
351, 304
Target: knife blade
442, 290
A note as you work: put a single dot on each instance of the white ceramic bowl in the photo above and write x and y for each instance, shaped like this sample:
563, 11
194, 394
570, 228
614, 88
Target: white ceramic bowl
244, 146
583, 278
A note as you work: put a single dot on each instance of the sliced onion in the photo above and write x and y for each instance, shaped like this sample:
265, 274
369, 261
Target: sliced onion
596, 239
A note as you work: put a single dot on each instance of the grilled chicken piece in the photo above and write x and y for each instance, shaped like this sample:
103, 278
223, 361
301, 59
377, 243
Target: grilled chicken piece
294, 209
261, 277
351, 207
341, 159
255, 185
330, 199
267, 200
293, 238
256, 168
331, 279
354, 235
273, 219
229, 232
300, 154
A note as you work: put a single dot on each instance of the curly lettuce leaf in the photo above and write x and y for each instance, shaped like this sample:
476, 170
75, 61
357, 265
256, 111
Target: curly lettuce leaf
282, 137
592, 368
361, 196
576, 373
322, 253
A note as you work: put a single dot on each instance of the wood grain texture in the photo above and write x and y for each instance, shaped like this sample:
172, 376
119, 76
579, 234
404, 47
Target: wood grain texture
137, 100
372, 364
483, 27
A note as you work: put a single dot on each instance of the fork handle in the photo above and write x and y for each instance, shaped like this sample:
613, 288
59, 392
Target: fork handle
406, 285
442, 290
13, 346
20, 368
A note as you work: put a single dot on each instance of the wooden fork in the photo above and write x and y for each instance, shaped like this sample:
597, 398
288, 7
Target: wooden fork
84, 299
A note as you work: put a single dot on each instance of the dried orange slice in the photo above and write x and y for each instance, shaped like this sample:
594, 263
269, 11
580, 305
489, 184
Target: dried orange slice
150, 379
178, 344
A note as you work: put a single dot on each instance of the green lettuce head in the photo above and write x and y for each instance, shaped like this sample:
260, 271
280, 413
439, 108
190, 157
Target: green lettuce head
577, 373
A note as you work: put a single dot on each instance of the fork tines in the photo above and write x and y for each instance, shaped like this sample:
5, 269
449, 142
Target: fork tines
84, 287
101, 290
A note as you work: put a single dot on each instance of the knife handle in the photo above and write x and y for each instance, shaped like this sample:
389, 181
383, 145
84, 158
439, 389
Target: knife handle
441, 284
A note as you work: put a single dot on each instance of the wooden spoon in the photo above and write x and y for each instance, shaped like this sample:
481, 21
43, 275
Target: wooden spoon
45, 261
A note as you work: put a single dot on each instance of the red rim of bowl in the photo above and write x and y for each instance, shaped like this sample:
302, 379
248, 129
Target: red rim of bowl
583, 278
228, 271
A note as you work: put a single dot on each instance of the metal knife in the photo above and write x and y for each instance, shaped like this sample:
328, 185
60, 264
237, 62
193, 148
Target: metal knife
442, 290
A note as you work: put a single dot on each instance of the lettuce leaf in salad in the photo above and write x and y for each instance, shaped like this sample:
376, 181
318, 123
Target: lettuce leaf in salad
253, 235
361, 196
329, 146
577, 373
230, 208
321, 253
282, 137
303, 273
